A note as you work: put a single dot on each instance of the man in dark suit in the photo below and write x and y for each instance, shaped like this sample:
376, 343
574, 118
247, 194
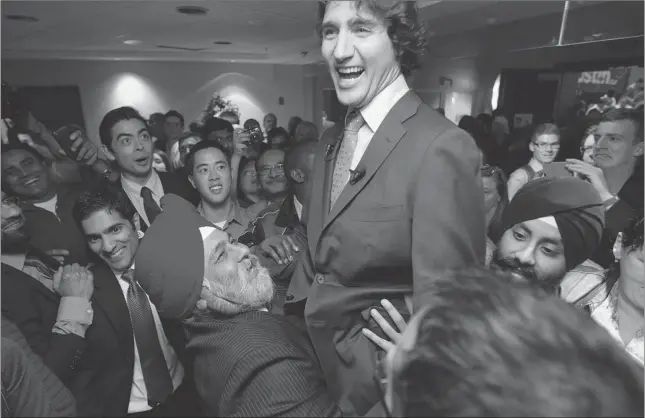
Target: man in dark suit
126, 140
51, 308
396, 197
248, 362
133, 362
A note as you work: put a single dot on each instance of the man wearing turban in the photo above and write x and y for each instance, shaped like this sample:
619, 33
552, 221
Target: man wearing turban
247, 361
551, 226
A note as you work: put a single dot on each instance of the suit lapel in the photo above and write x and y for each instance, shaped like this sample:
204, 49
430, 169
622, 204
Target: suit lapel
109, 298
383, 142
318, 206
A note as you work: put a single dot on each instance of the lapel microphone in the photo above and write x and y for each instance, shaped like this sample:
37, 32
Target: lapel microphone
356, 175
329, 149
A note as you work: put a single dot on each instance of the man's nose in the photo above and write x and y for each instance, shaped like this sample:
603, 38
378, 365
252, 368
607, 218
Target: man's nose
239, 251
525, 255
108, 245
138, 144
344, 48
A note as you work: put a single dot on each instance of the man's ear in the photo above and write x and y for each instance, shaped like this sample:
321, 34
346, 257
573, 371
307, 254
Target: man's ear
107, 152
297, 175
531, 146
638, 149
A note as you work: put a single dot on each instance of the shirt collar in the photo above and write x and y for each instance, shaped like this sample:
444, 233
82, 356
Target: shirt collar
235, 213
298, 207
374, 113
152, 184
16, 261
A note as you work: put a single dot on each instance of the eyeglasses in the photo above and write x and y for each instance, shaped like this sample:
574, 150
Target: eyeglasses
265, 171
547, 145
489, 170
249, 173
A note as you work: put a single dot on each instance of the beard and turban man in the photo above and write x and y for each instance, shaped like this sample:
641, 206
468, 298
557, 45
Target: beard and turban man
242, 353
550, 227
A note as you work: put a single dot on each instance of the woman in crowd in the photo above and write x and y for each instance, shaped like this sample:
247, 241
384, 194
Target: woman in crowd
160, 161
619, 309
495, 200
248, 190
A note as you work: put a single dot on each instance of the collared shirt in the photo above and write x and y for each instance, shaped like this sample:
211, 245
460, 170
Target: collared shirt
133, 190
138, 392
237, 220
50, 205
519, 177
75, 314
374, 114
298, 206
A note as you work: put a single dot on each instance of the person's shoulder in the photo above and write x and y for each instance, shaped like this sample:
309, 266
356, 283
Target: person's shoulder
519, 174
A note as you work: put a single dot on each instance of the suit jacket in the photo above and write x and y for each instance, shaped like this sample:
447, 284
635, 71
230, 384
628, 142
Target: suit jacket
29, 388
104, 377
33, 308
416, 211
256, 365
173, 183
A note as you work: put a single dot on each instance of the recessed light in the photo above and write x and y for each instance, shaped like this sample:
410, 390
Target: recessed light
253, 22
132, 42
22, 18
222, 42
192, 10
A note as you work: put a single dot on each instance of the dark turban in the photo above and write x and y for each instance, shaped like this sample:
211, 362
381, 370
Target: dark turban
575, 205
170, 258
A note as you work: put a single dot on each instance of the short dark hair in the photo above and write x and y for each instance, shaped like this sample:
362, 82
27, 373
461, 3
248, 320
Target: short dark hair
293, 157
264, 151
293, 123
406, 31
216, 124
633, 235
103, 196
277, 132
187, 135
545, 129
176, 114
113, 117
190, 158
230, 114
249, 123
633, 115
486, 342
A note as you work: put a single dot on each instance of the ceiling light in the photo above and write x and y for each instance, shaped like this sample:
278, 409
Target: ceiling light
22, 18
132, 42
253, 22
192, 10
222, 42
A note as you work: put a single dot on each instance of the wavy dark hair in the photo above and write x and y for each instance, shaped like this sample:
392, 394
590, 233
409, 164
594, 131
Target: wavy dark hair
406, 31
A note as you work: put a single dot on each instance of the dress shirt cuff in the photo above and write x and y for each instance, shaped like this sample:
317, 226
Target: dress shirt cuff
75, 315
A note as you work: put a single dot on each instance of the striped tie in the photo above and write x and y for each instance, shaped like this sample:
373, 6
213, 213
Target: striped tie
354, 122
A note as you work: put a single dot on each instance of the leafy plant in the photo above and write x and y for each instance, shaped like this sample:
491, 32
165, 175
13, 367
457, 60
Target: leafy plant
217, 105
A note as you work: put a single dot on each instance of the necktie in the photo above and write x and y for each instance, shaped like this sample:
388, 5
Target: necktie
153, 363
149, 205
354, 122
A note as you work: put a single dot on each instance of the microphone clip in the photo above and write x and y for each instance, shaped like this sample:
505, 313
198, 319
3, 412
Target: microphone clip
356, 175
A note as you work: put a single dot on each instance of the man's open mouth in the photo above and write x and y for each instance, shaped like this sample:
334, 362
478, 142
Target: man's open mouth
350, 73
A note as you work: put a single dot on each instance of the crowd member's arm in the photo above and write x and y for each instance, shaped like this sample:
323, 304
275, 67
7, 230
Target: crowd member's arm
29, 389
516, 181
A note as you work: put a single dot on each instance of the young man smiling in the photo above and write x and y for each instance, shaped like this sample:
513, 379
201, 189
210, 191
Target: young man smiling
398, 174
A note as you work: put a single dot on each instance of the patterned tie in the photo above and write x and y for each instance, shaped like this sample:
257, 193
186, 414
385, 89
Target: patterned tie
149, 205
354, 122
153, 363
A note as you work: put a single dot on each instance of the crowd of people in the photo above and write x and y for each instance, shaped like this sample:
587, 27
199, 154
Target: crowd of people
395, 265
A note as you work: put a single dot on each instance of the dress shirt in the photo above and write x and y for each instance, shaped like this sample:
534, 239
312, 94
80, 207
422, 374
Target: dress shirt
298, 206
374, 114
75, 314
49, 205
139, 393
236, 223
133, 190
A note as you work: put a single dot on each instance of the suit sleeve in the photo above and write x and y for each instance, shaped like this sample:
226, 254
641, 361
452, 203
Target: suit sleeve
448, 224
59, 352
265, 384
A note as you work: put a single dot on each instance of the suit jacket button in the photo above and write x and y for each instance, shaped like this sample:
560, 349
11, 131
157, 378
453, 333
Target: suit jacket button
320, 279
289, 297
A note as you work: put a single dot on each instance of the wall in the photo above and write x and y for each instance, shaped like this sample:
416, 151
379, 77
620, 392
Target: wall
160, 86
474, 59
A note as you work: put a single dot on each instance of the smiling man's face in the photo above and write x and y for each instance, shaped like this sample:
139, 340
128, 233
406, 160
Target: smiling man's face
359, 52
112, 238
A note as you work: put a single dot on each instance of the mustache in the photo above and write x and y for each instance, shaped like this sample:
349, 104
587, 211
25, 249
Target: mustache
514, 265
13, 221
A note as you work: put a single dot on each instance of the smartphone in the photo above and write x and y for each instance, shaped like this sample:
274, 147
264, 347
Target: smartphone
557, 169
62, 137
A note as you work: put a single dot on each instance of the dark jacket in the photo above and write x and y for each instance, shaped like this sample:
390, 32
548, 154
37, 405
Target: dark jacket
256, 365
29, 388
47, 232
33, 308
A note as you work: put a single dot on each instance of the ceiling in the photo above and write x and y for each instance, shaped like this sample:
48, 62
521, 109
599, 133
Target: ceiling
259, 31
